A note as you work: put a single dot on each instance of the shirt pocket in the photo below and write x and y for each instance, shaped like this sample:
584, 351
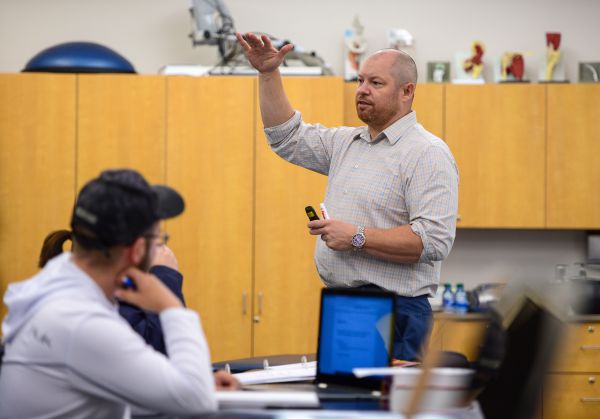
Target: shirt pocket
387, 197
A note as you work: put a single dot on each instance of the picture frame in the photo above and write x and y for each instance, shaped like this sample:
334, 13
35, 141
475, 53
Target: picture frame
438, 71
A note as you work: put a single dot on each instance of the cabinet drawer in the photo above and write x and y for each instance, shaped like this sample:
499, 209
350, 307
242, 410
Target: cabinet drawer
572, 396
580, 350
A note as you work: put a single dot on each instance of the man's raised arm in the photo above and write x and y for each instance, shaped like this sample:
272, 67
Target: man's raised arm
266, 59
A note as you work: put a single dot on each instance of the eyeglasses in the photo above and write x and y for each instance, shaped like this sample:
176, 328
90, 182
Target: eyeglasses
162, 238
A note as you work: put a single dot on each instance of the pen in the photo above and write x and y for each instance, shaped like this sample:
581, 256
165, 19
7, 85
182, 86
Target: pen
324, 211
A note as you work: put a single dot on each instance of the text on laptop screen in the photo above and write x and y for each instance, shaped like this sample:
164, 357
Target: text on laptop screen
355, 332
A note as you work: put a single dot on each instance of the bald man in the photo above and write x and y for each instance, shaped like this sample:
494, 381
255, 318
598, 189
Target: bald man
392, 190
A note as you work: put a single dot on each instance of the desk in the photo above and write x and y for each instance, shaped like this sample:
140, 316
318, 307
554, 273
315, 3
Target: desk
472, 412
338, 409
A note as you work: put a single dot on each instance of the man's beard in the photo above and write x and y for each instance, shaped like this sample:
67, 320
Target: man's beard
374, 116
380, 113
146, 262
367, 116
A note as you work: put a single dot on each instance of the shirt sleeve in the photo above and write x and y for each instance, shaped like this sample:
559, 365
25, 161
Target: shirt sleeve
306, 145
145, 323
106, 358
172, 278
432, 200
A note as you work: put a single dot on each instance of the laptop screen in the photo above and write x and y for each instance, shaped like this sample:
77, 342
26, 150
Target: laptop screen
356, 330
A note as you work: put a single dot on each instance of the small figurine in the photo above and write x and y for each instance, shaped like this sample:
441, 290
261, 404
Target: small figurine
400, 39
512, 63
356, 45
474, 64
552, 53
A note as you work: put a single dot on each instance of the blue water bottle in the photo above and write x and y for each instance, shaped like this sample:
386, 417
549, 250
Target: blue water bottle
461, 303
448, 298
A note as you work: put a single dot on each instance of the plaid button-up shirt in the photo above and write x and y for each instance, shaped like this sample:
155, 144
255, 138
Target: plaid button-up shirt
405, 175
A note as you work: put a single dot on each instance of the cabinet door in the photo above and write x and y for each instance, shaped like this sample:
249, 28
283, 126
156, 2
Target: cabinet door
572, 396
428, 103
463, 336
579, 351
121, 124
210, 154
436, 336
573, 200
497, 135
287, 286
37, 167
457, 333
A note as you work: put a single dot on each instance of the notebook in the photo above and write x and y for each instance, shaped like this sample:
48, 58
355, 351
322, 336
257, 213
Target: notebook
355, 331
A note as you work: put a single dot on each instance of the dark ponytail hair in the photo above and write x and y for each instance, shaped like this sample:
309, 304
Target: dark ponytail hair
53, 245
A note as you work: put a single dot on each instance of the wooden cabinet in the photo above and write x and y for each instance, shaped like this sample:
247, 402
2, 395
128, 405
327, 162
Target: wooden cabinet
497, 135
573, 174
458, 333
37, 167
242, 242
572, 396
572, 390
121, 123
210, 160
428, 103
286, 283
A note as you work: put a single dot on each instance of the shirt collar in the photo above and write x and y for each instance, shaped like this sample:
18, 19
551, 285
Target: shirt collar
394, 132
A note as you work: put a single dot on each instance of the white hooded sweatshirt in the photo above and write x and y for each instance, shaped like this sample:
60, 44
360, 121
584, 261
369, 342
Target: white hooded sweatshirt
69, 354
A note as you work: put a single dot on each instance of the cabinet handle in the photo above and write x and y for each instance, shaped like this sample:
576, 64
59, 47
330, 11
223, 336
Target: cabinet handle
592, 380
260, 302
244, 303
256, 319
458, 218
590, 400
590, 348
590, 329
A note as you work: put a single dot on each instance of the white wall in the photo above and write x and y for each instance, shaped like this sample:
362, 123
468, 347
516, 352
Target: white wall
506, 255
153, 33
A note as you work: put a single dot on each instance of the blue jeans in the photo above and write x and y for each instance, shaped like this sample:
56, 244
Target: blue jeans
413, 325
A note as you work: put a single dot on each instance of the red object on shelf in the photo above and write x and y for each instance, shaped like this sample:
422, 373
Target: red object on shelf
516, 67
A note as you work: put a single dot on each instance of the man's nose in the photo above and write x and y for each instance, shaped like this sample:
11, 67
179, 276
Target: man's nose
362, 89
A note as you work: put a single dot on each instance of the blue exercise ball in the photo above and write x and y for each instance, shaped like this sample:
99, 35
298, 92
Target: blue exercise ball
79, 57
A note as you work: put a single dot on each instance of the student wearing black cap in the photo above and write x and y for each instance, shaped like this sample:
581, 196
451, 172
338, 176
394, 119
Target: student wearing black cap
164, 266
68, 353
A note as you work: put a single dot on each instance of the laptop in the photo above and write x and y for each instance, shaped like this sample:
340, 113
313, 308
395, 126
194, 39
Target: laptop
356, 330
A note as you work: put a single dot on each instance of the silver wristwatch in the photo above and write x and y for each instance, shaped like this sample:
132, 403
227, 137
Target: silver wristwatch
359, 239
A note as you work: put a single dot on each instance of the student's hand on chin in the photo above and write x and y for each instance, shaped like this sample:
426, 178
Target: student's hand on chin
149, 292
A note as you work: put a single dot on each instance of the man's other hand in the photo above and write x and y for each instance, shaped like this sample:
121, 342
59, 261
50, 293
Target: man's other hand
164, 256
336, 234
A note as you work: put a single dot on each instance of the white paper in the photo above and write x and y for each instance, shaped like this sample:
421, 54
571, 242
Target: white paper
279, 374
232, 399
383, 371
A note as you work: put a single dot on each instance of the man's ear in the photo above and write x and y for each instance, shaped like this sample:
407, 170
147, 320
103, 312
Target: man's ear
408, 90
137, 250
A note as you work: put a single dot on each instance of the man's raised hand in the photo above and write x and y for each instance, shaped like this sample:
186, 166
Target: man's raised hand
261, 53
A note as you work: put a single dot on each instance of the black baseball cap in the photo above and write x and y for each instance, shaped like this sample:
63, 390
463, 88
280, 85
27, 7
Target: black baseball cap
119, 206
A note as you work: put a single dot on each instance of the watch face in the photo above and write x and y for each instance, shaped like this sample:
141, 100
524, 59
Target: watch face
358, 240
